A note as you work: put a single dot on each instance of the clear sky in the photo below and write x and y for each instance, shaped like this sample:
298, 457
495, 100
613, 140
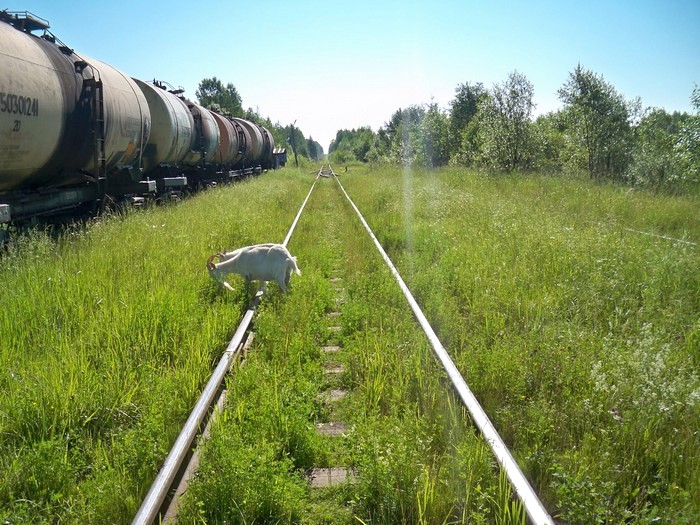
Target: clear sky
331, 65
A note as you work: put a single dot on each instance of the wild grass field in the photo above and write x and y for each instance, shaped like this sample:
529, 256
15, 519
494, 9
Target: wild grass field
416, 456
579, 336
107, 335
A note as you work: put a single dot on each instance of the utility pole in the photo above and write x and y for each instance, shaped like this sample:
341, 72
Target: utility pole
294, 145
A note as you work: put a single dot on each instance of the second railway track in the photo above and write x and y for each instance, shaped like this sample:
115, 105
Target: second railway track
372, 395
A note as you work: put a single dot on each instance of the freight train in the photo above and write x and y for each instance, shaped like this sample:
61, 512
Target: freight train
76, 133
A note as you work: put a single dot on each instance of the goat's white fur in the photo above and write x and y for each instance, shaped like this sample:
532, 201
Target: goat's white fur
261, 262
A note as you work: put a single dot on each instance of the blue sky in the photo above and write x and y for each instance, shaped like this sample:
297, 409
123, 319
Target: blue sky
331, 65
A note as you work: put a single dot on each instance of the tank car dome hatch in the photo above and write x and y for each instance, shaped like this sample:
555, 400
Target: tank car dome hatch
172, 128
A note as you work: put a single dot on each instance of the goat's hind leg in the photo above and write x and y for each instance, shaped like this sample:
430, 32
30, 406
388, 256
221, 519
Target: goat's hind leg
284, 285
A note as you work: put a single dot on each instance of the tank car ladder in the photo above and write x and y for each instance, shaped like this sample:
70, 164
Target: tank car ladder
242, 144
98, 131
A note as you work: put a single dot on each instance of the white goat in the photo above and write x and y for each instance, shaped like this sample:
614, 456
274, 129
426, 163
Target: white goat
261, 262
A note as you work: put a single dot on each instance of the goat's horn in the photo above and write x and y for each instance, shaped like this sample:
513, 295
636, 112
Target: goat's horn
210, 261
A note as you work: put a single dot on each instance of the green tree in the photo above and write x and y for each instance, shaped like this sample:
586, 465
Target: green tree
463, 108
470, 149
551, 143
212, 91
506, 128
354, 144
599, 119
655, 161
381, 148
435, 136
403, 134
297, 141
415, 135
687, 148
314, 149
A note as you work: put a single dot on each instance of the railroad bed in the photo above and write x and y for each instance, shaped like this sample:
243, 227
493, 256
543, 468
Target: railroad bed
339, 411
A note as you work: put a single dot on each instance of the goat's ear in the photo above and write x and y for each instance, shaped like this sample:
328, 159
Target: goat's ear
210, 261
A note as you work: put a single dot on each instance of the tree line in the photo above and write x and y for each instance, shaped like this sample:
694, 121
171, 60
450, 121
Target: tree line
597, 132
225, 99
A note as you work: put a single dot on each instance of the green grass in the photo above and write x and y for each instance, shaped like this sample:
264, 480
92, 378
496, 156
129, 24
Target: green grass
108, 335
409, 441
579, 337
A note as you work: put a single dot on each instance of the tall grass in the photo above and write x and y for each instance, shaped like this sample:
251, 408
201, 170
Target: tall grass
416, 458
108, 335
579, 336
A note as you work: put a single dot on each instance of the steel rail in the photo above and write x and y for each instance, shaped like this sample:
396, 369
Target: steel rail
665, 237
533, 506
151, 507
649, 234
296, 219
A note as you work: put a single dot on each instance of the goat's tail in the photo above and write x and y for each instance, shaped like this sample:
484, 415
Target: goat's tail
295, 268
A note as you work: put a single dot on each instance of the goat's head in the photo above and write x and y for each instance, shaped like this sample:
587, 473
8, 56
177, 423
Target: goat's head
211, 265
214, 272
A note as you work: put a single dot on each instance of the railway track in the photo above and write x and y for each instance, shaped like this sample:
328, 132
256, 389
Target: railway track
173, 476
161, 502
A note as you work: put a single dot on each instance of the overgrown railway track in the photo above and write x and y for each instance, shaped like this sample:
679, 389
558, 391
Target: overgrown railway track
160, 504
